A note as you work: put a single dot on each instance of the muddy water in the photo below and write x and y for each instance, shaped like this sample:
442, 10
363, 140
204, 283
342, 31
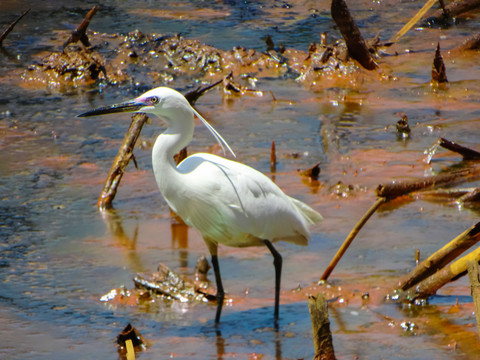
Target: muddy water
59, 256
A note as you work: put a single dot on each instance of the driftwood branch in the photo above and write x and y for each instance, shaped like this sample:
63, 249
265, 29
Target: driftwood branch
441, 257
474, 277
357, 48
80, 33
451, 272
400, 188
322, 337
11, 26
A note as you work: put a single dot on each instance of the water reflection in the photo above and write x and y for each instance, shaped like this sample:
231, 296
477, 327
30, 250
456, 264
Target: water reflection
180, 238
220, 343
114, 225
179, 233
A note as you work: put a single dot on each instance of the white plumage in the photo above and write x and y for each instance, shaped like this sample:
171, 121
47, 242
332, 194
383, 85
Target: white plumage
228, 202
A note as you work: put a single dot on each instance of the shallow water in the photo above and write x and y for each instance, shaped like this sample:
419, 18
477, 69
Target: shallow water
59, 256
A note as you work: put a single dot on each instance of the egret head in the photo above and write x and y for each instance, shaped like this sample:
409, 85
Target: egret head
166, 103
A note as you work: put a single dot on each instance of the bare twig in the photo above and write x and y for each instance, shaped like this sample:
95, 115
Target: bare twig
413, 20
11, 26
273, 158
194, 95
351, 237
469, 197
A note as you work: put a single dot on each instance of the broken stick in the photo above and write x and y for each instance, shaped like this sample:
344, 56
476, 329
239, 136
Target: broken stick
474, 278
357, 48
322, 336
439, 72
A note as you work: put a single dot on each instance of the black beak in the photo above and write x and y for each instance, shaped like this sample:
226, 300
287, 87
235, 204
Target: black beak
130, 106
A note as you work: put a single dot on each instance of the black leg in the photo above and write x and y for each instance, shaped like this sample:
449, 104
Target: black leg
220, 292
277, 262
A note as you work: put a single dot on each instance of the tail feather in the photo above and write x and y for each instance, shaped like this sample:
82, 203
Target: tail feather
310, 214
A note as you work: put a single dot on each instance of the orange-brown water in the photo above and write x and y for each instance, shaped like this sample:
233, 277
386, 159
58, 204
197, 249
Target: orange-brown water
59, 255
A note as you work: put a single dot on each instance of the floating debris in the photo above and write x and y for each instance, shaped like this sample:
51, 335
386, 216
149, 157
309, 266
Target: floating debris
403, 129
313, 172
171, 286
130, 341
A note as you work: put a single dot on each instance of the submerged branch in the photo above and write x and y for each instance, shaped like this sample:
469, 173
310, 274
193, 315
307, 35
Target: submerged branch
194, 95
472, 43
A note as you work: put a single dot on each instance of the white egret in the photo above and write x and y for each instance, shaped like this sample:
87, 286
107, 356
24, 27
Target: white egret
228, 202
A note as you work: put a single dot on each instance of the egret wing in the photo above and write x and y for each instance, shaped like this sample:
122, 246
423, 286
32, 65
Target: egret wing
236, 205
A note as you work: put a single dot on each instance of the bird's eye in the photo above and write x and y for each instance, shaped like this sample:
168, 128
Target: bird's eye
154, 100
